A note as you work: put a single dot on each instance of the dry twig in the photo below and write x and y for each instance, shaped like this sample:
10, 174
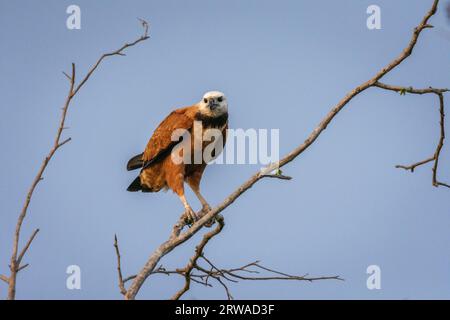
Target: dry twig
440, 94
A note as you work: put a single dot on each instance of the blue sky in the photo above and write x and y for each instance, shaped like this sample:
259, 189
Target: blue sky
282, 64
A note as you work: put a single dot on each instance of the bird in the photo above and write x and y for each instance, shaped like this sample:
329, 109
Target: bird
158, 170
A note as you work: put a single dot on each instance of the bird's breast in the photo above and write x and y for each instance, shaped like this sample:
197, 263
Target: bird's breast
212, 122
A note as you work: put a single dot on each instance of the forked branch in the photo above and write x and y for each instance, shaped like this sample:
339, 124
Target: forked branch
435, 157
17, 257
178, 237
203, 275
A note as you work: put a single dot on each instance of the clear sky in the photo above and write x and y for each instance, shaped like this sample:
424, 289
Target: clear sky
282, 64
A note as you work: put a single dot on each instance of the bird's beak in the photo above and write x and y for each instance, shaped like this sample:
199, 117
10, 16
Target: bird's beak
212, 104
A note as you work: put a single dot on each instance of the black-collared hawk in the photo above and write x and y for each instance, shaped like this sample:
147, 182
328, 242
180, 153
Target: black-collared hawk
160, 171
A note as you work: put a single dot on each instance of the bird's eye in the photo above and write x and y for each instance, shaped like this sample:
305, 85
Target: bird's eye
205, 100
220, 99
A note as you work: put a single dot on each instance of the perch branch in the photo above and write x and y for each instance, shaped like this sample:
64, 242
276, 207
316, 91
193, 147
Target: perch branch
178, 237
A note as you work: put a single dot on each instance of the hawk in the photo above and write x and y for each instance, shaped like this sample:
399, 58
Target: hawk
158, 168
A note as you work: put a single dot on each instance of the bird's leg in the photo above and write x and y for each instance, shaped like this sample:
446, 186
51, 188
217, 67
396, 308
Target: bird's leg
194, 182
190, 214
205, 206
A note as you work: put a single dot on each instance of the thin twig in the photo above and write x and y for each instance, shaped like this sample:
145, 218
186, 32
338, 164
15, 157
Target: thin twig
4, 278
435, 158
402, 90
277, 176
119, 269
25, 249
436, 183
413, 166
222, 276
22, 267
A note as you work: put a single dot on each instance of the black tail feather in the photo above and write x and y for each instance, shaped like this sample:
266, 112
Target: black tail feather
135, 185
135, 163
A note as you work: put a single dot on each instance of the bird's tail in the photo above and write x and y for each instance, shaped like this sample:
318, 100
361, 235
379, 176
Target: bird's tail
136, 162
135, 185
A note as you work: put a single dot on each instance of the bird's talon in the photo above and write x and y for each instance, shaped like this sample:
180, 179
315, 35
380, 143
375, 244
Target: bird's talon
190, 216
205, 209
188, 221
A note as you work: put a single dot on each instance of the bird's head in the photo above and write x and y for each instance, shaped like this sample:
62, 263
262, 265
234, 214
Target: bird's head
213, 103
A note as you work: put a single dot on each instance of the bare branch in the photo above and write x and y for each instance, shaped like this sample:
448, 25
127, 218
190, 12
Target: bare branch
222, 276
15, 256
67, 76
119, 270
63, 142
277, 176
278, 275
113, 53
4, 278
22, 267
402, 90
178, 238
437, 153
229, 296
413, 166
129, 278
440, 94
25, 249
198, 253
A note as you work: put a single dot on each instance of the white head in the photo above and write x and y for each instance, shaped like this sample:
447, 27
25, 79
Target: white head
213, 103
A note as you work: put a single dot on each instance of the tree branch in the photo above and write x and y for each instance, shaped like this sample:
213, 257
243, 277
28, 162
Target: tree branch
119, 269
224, 276
73, 90
178, 238
198, 253
118, 52
25, 249
4, 278
413, 166
440, 94
403, 90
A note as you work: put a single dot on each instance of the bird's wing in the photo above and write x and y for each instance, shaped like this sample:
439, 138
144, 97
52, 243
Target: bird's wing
160, 144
